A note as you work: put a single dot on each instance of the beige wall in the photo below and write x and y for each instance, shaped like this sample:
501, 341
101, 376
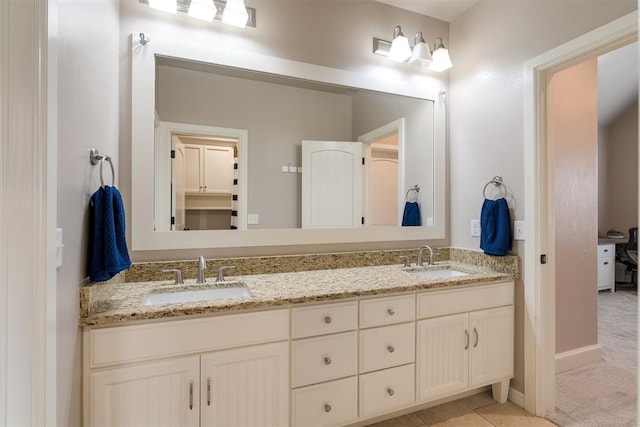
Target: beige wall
489, 45
87, 118
572, 132
619, 173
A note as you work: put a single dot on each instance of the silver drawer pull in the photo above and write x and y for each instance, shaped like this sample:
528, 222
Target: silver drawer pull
327, 407
606, 250
391, 312
466, 334
475, 331
327, 361
208, 391
190, 395
390, 349
606, 263
327, 319
390, 391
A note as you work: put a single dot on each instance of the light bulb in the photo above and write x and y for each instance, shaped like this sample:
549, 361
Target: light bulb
441, 59
202, 9
400, 50
235, 13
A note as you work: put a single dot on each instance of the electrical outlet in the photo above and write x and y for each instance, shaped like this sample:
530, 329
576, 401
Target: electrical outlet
252, 219
518, 230
429, 222
475, 228
293, 169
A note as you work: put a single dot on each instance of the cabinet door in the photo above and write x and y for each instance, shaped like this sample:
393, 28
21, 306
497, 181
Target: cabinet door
192, 168
154, 394
246, 387
491, 357
217, 169
442, 357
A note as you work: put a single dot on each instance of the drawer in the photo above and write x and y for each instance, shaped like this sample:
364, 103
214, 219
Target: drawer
387, 311
324, 319
440, 303
314, 360
383, 391
606, 251
387, 346
606, 271
327, 404
126, 344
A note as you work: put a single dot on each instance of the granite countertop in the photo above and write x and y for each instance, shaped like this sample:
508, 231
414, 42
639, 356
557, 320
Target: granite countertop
112, 304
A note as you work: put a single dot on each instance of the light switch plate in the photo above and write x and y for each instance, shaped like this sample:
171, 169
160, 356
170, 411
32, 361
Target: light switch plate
59, 247
252, 219
475, 228
518, 230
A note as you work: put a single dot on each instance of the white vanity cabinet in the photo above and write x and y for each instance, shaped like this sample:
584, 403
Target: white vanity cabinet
468, 349
190, 372
607, 267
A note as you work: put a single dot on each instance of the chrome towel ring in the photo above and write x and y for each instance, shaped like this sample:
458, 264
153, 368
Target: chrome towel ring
95, 157
414, 192
497, 181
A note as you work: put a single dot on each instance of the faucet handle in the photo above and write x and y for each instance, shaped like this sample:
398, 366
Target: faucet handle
178, 275
221, 270
407, 263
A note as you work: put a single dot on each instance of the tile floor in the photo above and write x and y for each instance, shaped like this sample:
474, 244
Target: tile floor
478, 410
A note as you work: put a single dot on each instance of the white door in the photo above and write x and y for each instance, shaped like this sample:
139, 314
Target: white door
177, 180
154, 394
491, 357
382, 187
331, 184
443, 356
192, 168
246, 387
217, 170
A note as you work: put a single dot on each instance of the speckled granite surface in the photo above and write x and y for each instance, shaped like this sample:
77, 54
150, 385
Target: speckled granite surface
113, 303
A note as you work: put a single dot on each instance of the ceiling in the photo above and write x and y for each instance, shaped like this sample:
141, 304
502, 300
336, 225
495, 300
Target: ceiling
617, 82
445, 10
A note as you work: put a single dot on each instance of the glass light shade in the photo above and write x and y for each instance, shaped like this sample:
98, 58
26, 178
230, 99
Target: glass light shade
421, 54
400, 50
164, 5
235, 13
441, 60
202, 9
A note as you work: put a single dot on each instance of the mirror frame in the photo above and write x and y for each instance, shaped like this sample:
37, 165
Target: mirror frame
143, 234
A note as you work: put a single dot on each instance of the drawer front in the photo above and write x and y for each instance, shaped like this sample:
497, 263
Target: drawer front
387, 311
606, 271
606, 250
324, 319
314, 360
125, 344
440, 303
387, 346
383, 391
326, 404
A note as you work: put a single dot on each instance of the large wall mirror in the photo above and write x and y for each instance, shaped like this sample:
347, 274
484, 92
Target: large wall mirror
249, 150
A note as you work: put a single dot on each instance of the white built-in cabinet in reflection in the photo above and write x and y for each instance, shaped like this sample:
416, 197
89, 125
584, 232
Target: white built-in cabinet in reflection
208, 169
246, 386
467, 350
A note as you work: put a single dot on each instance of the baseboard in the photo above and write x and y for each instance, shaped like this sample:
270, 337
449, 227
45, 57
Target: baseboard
578, 358
516, 397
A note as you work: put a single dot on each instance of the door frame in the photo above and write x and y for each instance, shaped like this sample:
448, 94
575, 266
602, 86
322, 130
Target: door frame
539, 279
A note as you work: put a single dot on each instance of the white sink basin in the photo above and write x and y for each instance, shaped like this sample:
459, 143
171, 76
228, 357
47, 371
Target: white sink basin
197, 295
444, 273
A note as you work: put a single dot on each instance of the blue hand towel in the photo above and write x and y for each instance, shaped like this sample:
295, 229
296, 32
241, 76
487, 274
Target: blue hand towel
496, 237
411, 215
107, 235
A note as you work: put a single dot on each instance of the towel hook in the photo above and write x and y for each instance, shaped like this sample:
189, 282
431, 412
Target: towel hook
498, 182
113, 173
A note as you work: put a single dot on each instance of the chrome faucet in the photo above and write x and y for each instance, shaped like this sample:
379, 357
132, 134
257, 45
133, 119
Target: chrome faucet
202, 266
431, 260
221, 270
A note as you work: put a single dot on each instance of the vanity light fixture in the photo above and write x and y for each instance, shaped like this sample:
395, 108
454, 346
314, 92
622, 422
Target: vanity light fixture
203, 9
164, 5
400, 50
420, 55
235, 13
441, 60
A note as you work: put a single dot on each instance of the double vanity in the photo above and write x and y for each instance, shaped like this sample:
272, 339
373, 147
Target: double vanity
324, 347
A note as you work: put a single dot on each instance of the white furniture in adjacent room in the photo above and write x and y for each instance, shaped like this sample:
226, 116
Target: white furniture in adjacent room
607, 267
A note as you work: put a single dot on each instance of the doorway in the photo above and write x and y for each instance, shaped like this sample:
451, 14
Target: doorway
540, 262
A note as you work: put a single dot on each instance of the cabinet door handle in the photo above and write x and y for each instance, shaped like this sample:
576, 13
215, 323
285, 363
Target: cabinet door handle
391, 348
391, 312
606, 263
475, 331
191, 395
390, 391
327, 319
327, 361
466, 334
327, 407
208, 391
606, 250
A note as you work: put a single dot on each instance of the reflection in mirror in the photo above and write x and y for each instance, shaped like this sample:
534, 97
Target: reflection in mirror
391, 140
